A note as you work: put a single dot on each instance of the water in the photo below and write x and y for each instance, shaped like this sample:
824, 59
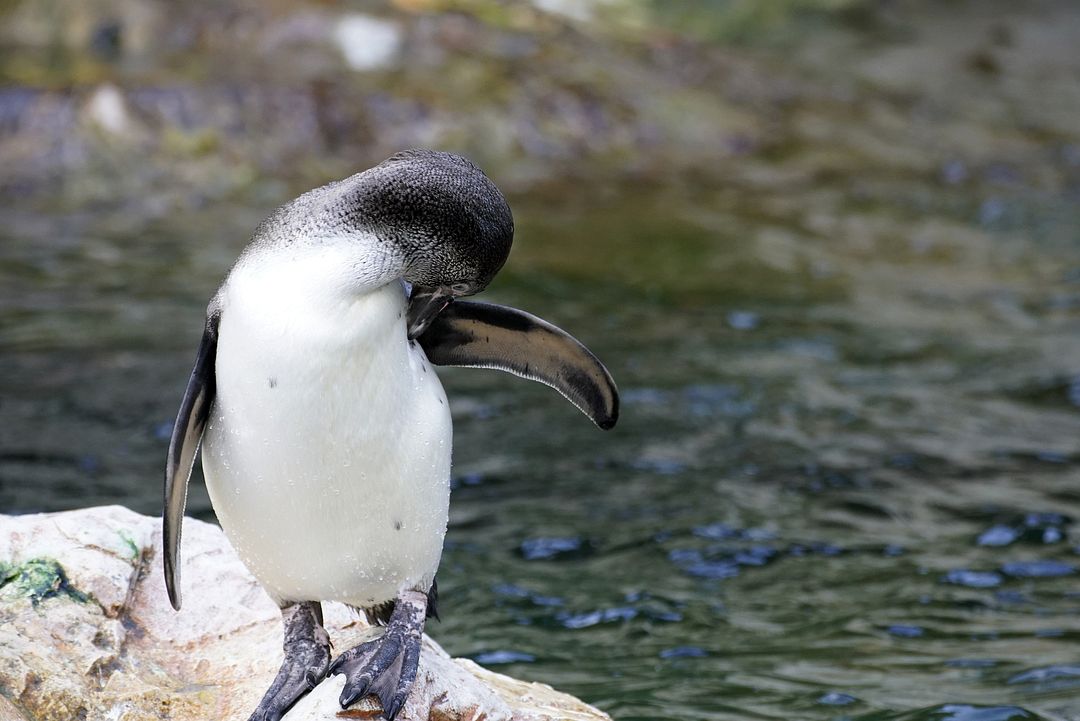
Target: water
843, 483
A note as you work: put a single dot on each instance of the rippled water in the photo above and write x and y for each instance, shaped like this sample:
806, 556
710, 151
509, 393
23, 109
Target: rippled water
843, 485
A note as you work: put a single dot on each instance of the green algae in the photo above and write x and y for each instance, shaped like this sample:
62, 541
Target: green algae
38, 579
132, 547
749, 21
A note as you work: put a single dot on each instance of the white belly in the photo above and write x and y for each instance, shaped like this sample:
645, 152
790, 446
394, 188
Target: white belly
327, 454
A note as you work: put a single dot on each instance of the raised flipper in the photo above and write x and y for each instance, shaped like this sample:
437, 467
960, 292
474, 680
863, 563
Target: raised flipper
184, 444
484, 335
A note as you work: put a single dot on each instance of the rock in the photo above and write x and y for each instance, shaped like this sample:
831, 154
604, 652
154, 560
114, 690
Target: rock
116, 100
87, 632
367, 42
107, 109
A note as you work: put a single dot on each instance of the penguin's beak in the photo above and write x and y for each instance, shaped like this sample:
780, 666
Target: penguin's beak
424, 305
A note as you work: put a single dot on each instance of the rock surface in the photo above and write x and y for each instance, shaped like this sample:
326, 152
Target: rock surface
87, 632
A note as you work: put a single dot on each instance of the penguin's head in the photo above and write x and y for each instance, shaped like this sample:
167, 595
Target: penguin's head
445, 218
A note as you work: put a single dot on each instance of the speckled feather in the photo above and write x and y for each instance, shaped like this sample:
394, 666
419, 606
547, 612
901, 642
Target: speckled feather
444, 217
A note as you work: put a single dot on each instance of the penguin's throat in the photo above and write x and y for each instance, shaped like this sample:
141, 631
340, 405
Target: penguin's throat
317, 276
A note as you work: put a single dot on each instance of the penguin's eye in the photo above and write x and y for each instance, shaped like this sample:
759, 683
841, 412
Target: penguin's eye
460, 288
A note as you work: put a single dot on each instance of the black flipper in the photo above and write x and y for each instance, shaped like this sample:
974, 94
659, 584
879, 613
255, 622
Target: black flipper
484, 335
184, 444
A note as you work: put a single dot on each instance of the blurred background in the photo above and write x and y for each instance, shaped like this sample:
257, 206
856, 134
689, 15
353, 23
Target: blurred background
830, 250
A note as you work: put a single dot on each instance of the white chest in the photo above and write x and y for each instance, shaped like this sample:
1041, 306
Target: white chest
327, 454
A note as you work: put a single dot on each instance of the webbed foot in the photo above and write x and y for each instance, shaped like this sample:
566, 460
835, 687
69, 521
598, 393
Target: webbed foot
307, 656
387, 666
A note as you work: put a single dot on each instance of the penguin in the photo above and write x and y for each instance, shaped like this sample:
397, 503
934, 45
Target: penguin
325, 434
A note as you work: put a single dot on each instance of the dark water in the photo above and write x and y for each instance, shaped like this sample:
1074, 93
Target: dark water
843, 485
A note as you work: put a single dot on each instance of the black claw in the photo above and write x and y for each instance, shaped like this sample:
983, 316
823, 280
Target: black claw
386, 667
349, 696
361, 687
398, 701
307, 656
392, 710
